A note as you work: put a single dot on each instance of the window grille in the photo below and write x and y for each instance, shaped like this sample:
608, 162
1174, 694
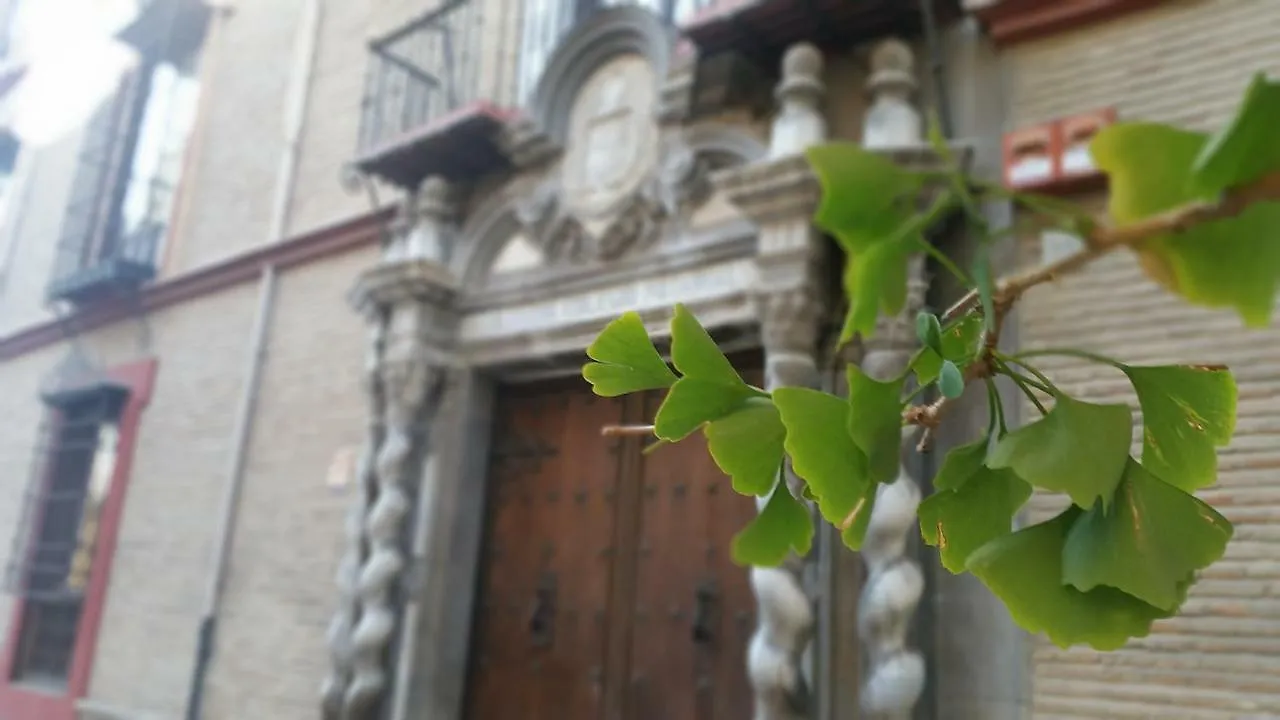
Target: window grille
53, 552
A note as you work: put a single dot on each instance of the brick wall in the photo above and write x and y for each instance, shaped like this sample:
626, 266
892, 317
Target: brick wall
280, 593
1185, 63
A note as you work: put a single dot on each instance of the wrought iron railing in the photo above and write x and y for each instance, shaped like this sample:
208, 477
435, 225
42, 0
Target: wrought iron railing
421, 72
452, 57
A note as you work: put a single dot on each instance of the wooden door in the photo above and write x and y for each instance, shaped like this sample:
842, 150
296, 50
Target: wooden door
542, 614
693, 608
607, 590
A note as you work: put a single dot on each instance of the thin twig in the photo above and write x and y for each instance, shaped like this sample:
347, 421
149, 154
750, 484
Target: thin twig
620, 430
1102, 239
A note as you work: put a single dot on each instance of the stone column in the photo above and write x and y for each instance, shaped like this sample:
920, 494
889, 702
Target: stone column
779, 194
406, 300
894, 675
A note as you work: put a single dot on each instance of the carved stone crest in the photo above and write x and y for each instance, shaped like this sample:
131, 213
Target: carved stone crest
619, 182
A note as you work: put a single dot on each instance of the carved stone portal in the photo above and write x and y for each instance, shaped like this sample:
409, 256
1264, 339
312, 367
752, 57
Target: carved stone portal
619, 179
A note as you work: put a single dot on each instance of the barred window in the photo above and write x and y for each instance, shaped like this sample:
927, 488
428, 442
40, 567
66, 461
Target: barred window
68, 493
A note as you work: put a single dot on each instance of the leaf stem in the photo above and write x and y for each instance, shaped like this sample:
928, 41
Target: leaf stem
995, 408
1025, 384
1007, 360
946, 262
1068, 352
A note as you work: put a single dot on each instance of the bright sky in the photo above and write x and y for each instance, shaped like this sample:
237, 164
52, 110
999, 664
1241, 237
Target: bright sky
74, 63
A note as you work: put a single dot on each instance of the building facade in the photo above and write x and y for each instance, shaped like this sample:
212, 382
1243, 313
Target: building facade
290, 329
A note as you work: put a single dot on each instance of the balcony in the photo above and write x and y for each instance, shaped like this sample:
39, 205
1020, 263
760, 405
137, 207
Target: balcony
762, 29
424, 110
436, 98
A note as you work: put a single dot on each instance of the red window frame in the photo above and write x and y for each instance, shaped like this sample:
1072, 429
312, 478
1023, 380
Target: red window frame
22, 702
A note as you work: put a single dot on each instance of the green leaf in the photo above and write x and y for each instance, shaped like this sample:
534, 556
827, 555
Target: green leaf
957, 522
1232, 262
868, 205
875, 423
825, 456
1187, 412
1149, 544
695, 354
853, 527
960, 344
1079, 448
875, 281
710, 388
1244, 149
626, 360
781, 527
865, 195
747, 445
693, 402
1024, 569
950, 381
961, 463
929, 331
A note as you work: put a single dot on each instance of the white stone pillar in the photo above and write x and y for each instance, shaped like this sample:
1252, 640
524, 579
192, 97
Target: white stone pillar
779, 194
406, 299
894, 676
892, 120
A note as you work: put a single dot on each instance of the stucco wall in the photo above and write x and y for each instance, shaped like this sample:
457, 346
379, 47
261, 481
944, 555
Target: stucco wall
1185, 63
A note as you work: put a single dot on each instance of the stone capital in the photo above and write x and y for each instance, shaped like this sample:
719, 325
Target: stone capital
770, 191
791, 319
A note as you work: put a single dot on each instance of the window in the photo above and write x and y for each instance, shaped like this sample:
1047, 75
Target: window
60, 564
64, 515
131, 159
546, 22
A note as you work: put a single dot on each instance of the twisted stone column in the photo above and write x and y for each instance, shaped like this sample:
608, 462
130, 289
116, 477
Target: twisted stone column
895, 674
789, 323
342, 627
406, 383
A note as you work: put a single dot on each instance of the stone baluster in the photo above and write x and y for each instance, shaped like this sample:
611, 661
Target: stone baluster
892, 120
790, 308
895, 674
789, 327
406, 300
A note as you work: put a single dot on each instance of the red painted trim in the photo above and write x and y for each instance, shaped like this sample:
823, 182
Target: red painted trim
18, 702
343, 237
1014, 21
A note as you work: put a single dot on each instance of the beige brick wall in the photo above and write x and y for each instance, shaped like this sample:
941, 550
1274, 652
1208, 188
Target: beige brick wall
1185, 63
280, 592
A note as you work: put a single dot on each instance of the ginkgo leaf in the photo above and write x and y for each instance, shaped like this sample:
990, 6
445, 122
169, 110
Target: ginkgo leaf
929, 331
875, 423
1149, 544
853, 526
961, 463
1024, 569
868, 205
865, 196
781, 527
1079, 448
1231, 262
875, 281
823, 454
625, 360
1187, 412
747, 445
1244, 149
710, 388
957, 522
960, 341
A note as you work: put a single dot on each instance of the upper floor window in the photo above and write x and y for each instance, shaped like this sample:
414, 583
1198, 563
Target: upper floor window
131, 159
546, 22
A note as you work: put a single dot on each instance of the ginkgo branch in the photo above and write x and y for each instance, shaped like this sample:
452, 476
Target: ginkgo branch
1100, 240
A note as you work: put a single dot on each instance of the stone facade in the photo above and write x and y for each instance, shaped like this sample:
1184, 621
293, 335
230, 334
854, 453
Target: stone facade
511, 278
